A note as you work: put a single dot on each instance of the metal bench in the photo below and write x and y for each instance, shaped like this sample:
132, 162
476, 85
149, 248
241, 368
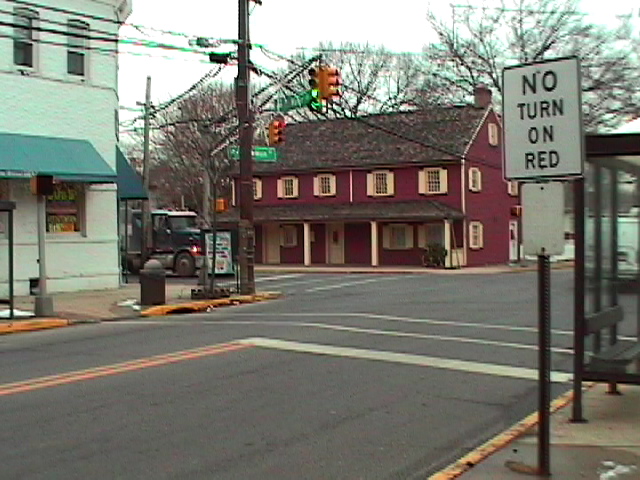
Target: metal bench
616, 356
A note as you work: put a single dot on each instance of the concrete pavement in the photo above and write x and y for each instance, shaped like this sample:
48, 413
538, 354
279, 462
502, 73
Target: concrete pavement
607, 447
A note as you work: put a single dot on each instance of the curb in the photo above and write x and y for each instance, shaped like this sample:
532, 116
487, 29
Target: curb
32, 325
205, 305
501, 440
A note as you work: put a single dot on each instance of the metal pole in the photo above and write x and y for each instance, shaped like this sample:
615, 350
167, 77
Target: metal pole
126, 242
214, 227
146, 215
10, 232
44, 303
613, 260
578, 300
544, 363
245, 122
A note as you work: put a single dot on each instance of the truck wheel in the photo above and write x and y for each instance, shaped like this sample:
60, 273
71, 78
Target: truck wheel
184, 265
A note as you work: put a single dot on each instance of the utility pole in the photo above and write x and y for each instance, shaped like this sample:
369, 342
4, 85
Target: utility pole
146, 213
246, 236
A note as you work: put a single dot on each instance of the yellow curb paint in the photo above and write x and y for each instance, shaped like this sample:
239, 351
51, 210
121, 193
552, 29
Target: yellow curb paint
501, 440
203, 305
31, 325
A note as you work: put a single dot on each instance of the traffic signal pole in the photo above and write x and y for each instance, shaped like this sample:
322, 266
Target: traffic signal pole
246, 236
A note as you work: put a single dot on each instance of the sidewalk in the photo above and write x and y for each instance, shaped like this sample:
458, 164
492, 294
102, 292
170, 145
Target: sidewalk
606, 447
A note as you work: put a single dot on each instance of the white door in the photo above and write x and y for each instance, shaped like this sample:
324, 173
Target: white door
335, 243
272, 244
513, 240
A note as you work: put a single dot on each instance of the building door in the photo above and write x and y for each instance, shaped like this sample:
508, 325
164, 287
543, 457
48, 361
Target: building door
335, 243
513, 240
272, 243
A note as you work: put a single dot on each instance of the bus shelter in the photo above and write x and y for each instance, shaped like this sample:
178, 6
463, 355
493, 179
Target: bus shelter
607, 265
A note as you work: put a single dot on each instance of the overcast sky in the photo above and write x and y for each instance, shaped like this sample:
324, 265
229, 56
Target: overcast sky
283, 26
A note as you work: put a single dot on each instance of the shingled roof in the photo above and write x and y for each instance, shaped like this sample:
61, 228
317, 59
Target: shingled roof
353, 143
416, 210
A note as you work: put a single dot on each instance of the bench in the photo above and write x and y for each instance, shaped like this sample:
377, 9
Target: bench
613, 358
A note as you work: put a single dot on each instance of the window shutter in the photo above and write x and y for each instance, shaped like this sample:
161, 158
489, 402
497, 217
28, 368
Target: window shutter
386, 237
493, 134
391, 184
480, 236
444, 181
408, 232
316, 186
295, 187
370, 184
422, 182
334, 186
479, 178
280, 189
258, 189
233, 192
471, 185
422, 236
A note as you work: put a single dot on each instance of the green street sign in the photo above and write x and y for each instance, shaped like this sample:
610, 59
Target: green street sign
259, 154
291, 102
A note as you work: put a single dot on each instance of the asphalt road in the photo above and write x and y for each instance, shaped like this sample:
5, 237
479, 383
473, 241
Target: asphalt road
346, 377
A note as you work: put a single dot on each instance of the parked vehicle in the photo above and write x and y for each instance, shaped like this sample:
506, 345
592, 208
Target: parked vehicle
175, 241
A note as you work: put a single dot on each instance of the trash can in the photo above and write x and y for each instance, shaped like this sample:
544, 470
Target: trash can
153, 282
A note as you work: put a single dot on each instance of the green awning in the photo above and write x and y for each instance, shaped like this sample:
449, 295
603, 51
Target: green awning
129, 182
22, 156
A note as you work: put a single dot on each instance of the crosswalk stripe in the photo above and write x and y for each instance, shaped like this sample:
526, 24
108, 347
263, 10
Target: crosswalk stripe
404, 358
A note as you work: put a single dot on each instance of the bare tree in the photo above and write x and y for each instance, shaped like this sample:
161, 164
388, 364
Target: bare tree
477, 42
375, 80
190, 142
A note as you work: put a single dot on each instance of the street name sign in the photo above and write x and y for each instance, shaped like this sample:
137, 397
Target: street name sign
291, 102
259, 154
542, 117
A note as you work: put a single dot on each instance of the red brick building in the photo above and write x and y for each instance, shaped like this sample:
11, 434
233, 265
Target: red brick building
376, 191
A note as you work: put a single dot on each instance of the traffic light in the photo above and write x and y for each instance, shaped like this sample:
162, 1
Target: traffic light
313, 78
329, 83
315, 104
276, 132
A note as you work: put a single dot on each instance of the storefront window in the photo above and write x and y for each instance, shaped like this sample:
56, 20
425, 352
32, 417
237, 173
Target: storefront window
64, 209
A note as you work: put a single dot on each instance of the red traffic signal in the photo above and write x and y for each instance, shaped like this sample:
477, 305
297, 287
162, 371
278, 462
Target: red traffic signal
276, 132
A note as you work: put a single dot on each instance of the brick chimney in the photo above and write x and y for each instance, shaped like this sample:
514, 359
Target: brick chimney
482, 96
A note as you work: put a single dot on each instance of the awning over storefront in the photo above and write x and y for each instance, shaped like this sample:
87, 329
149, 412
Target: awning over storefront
22, 156
129, 182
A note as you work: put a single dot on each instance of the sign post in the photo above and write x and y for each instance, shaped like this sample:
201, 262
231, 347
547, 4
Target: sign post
543, 140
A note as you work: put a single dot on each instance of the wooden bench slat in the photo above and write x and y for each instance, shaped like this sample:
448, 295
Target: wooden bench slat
606, 318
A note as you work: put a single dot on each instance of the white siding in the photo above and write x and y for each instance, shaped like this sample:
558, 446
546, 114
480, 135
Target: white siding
49, 102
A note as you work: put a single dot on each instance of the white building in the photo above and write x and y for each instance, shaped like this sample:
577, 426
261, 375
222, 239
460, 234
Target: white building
58, 85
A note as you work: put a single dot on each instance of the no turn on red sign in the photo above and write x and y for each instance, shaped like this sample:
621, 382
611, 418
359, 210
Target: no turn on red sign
542, 115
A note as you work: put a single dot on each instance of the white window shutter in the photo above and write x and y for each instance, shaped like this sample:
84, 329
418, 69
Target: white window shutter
233, 192
422, 182
370, 184
386, 237
295, 187
444, 181
422, 236
391, 184
280, 189
470, 179
258, 189
479, 177
316, 186
334, 187
480, 235
408, 232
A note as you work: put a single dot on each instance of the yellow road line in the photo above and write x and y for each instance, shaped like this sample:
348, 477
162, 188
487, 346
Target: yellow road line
138, 364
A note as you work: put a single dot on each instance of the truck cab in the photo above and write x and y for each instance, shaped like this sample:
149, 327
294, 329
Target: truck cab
175, 241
